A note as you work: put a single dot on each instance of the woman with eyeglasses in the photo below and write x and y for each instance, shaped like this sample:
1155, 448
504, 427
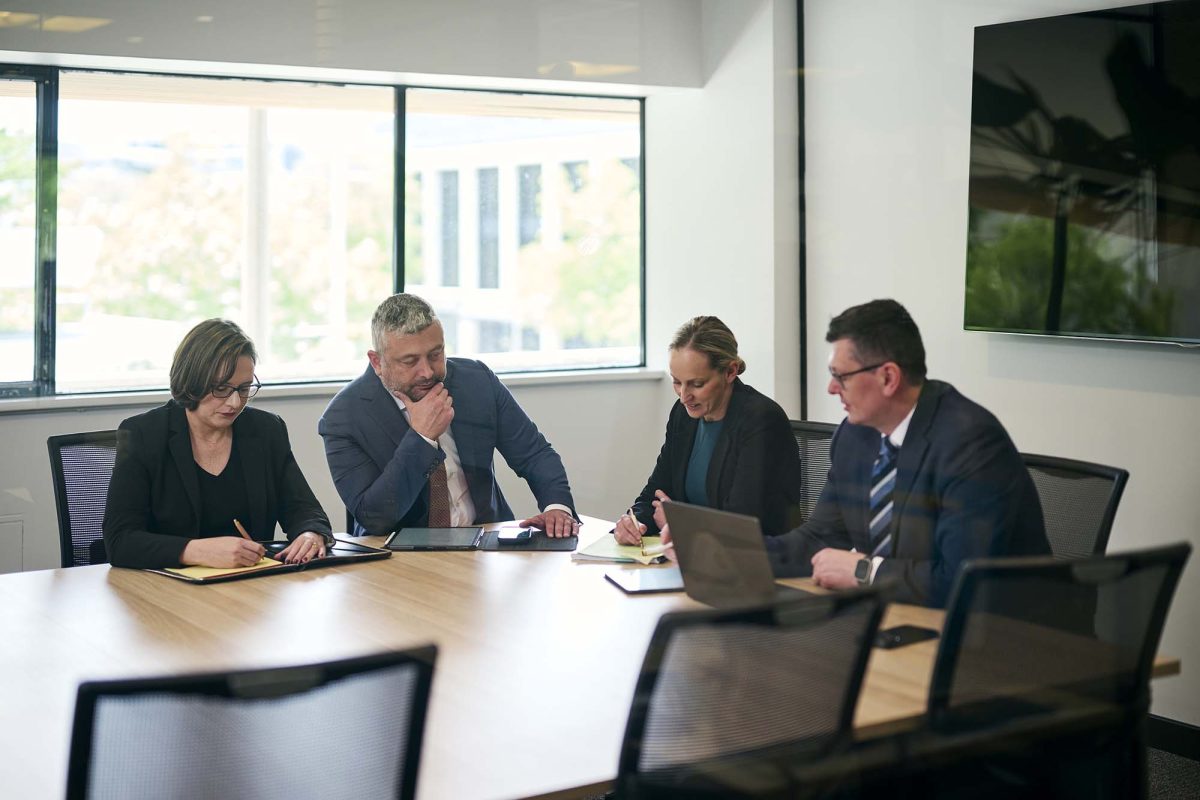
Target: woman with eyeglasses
727, 446
193, 474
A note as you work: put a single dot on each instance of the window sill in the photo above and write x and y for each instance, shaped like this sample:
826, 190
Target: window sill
89, 402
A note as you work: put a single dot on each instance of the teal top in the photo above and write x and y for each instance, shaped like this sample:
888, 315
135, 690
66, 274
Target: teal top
705, 442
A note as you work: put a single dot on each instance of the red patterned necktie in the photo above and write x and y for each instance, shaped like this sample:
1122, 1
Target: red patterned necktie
439, 498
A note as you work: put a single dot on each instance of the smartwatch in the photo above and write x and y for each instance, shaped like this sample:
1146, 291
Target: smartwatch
862, 571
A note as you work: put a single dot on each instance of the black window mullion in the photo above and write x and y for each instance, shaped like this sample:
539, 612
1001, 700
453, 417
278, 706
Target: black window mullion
398, 209
46, 199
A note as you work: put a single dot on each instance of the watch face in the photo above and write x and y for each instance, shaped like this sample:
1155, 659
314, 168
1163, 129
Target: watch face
862, 570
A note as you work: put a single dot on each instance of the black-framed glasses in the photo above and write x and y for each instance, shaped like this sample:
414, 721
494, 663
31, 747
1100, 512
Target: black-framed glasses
840, 377
245, 391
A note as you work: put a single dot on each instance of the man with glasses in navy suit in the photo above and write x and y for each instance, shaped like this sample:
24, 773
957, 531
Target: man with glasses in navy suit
921, 478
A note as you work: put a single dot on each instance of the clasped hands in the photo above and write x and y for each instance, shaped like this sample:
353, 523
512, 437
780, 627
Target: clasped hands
234, 551
834, 569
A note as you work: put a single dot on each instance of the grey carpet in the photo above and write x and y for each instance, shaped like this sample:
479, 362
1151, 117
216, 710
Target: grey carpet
1173, 777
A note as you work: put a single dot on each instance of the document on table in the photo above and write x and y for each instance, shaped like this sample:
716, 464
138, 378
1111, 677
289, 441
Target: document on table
204, 573
606, 550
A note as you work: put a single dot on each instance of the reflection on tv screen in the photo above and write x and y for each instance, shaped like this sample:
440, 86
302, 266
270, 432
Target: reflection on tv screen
1085, 175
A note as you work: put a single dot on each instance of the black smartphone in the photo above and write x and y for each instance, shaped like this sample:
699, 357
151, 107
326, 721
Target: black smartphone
513, 535
889, 638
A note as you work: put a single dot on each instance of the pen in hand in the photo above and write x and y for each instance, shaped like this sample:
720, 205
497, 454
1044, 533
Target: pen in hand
240, 529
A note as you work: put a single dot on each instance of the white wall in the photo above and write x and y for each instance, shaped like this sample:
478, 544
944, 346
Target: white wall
887, 127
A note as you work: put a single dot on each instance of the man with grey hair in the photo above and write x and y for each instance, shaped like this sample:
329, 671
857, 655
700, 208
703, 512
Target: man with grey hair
410, 442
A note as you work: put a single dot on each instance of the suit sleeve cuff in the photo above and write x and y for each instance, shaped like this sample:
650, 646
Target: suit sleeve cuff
875, 563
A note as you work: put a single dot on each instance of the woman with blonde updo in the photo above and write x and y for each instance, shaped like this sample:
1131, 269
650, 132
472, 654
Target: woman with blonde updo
727, 447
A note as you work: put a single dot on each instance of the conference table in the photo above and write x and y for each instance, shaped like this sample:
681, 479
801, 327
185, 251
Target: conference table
538, 657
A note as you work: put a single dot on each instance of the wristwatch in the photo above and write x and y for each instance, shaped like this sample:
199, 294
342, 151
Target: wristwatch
862, 571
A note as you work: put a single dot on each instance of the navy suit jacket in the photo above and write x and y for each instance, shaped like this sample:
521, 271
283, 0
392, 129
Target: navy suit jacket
153, 506
381, 466
755, 467
962, 491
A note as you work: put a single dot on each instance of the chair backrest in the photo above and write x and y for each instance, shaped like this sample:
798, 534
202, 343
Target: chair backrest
812, 439
1079, 501
1029, 635
350, 728
81, 465
736, 695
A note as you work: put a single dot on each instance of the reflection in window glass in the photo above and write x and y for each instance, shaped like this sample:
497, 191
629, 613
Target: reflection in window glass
18, 214
544, 230
186, 198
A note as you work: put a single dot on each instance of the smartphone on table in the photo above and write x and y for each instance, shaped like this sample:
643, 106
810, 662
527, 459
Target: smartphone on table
901, 635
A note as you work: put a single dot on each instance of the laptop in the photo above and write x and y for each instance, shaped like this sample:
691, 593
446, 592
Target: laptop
722, 557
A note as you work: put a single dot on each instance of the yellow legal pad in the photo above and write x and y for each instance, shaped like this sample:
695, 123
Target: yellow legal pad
204, 573
607, 550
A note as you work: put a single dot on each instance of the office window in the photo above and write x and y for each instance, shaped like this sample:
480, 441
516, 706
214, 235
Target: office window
576, 174
18, 216
489, 228
185, 198
558, 249
494, 337
529, 202
448, 214
165, 200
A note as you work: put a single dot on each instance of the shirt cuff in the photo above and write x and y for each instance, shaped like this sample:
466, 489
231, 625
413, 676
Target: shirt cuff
559, 507
432, 442
875, 562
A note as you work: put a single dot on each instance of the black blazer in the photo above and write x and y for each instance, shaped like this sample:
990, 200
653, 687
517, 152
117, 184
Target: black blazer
962, 491
755, 467
154, 497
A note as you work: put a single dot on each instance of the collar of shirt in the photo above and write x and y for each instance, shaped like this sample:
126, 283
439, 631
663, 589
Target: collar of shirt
897, 436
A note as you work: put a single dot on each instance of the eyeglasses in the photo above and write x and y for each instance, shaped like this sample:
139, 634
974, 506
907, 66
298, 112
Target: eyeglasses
245, 391
840, 377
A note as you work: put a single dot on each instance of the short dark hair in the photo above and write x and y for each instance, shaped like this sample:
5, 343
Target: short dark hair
207, 357
711, 338
881, 331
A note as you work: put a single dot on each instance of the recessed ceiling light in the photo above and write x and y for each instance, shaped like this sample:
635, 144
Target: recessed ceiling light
66, 24
204, 18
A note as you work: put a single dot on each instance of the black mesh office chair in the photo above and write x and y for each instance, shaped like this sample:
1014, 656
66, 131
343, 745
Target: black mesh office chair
349, 728
81, 465
1079, 502
729, 700
1029, 639
812, 439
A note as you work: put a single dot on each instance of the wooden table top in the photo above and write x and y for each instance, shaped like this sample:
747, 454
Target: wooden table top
538, 657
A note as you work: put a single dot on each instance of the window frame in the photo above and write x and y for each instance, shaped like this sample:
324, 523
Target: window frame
46, 80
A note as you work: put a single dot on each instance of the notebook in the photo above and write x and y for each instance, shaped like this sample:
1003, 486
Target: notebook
474, 538
606, 549
342, 552
722, 557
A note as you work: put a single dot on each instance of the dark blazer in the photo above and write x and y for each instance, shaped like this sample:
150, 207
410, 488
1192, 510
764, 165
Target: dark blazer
154, 498
755, 467
381, 466
962, 492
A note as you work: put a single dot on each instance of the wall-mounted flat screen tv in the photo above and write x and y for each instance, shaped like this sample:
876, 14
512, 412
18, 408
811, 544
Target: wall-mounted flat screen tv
1085, 175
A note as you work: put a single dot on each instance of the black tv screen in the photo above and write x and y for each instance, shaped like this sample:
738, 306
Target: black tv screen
1084, 214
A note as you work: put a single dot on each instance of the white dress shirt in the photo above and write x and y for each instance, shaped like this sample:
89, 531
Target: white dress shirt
462, 507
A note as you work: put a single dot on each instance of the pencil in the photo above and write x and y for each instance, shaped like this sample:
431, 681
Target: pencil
241, 530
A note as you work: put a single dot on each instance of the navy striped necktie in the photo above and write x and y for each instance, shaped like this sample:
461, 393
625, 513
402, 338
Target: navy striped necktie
883, 485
